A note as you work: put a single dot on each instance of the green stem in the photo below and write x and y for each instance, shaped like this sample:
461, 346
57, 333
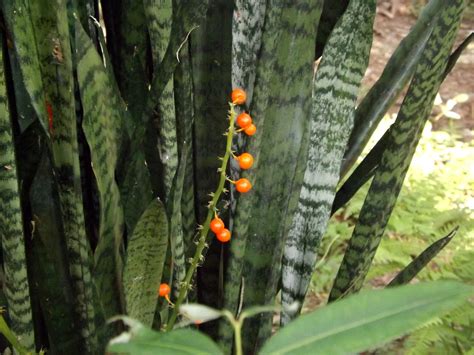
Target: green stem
238, 337
205, 228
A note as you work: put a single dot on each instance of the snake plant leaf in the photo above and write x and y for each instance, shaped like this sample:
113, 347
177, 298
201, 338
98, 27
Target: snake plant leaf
336, 87
24, 40
140, 340
26, 113
130, 64
367, 320
146, 254
397, 73
211, 62
188, 16
282, 89
176, 223
53, 43
332, 12
52, 283
412, 269
247, 29
404, 136
16, 287
364, 171
183, 89
102, 124
159, 17
457, 53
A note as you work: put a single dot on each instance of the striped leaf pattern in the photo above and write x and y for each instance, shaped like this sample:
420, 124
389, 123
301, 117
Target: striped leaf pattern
247, 28
283, 125
336, 87
51, 34
102, 126
24, 39
405, 134
159, 16
396, 75
11, 228
412, 269
264, 74
146, 254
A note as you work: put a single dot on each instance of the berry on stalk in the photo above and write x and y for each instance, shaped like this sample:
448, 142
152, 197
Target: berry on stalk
223, 236
245, 161
217, 225
243, 185
244, 120
238, 96
250, 130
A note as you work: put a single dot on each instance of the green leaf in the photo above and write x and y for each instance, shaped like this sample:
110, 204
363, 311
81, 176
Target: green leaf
364, 171
403, 139
20, 26
332, 12
146, 254
104, 115
282, 89
140, 340
412, 269
11, 226
367, 320
51, 281
335, 91
396, 75
457, 53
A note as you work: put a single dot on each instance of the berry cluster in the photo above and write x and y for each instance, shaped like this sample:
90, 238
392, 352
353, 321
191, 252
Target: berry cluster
213, 222
245, 160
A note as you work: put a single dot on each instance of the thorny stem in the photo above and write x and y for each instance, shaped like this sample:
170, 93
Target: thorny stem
205, 228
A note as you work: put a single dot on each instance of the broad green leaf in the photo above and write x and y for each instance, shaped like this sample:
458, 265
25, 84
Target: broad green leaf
367, 320
396, 75
280, 107
104, 115
403, 139
140, 340
412, 269
335, 90
16, 286
146, 254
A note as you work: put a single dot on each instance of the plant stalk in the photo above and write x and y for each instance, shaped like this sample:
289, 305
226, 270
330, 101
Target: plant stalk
205, 228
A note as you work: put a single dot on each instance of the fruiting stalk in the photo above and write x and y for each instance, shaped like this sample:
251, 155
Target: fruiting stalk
186, 284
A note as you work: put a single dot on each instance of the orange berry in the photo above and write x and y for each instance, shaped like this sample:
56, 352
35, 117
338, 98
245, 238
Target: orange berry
244, 120
245, 161
223, 236
250, 130
217, 225
243, 185
164, 290
238, 96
